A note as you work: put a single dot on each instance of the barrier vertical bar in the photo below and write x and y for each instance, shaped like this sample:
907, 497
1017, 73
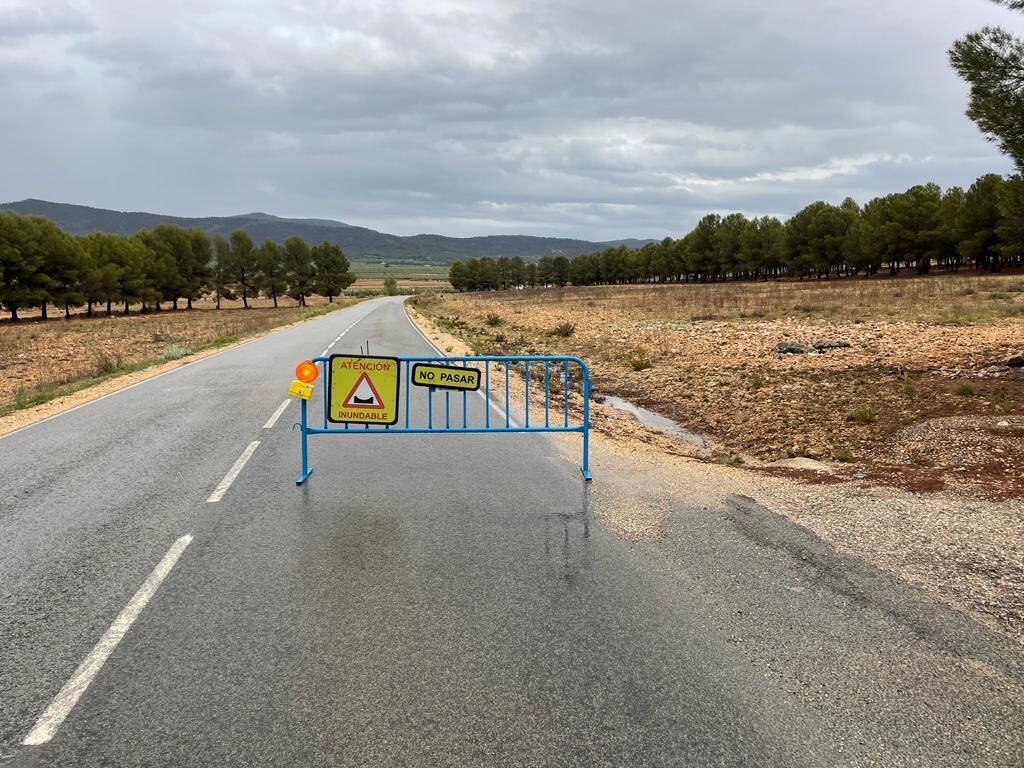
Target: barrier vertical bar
447, 408
547, 391
506, 394
430, 407
526, 365
326, 392
487, 394
565, 391
586, 425
464, 395
408, 386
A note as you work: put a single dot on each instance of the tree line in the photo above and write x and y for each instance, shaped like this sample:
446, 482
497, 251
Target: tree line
42, 265
922, 229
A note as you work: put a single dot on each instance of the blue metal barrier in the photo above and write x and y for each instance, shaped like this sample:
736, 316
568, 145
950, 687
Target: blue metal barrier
557, 366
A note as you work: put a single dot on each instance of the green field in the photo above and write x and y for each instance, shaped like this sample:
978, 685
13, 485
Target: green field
369, 270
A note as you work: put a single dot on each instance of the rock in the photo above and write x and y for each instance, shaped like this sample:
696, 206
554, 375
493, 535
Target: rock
802, 462
1016, 361
823, 345
791, 348
1004, 423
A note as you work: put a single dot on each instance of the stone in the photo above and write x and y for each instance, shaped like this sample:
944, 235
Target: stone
802, 462
791, 348
823, 345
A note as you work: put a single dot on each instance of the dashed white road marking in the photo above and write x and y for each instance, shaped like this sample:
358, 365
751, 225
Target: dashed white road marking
277, 414
338, 337
48, 723
229, 478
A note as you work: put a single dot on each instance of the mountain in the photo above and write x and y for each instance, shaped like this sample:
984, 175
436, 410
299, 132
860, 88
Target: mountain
357, 242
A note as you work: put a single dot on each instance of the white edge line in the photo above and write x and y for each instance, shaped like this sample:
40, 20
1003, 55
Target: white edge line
229, 478
48, 723
277, 414
486, 398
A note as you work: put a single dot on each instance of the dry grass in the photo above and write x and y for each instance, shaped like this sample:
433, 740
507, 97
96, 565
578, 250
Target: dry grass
41, 360
938, 299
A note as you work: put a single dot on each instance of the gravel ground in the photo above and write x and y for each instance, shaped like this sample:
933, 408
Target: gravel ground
857, 405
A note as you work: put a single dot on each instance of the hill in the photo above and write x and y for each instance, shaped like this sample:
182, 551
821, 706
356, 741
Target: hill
357, 242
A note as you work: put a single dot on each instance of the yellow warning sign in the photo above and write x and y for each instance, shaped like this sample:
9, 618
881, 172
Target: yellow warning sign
300, 389
362, 390
445, 376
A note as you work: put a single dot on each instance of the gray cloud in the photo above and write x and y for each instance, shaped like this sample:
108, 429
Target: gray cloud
596, 120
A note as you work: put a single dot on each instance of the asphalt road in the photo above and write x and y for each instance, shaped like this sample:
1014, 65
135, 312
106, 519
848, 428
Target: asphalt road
432, 600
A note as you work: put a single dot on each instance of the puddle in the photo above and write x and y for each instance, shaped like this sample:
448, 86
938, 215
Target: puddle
655, 421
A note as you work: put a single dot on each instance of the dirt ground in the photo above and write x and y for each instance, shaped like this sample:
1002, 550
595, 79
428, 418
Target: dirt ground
38, 357
922, 398
961, 539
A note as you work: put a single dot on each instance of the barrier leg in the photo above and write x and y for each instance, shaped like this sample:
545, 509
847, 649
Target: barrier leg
306, 471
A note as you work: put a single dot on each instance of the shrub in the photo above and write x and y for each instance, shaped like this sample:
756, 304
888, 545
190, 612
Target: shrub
844, 455
965, 390
639, 359
494, 320
176, 352
563, 330
449, 323
865, 415
107, 364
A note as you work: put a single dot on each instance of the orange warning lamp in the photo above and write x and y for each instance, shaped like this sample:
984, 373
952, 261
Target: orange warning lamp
306, 371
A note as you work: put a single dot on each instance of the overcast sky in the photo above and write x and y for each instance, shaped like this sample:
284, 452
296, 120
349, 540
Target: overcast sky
580, 118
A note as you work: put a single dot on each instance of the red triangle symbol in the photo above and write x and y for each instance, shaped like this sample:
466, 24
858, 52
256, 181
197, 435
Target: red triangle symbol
364, 395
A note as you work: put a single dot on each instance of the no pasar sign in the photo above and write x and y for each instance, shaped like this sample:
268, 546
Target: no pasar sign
445, 377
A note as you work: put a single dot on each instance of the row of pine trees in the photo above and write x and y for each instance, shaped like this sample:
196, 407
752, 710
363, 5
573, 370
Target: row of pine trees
922, 229
41, 265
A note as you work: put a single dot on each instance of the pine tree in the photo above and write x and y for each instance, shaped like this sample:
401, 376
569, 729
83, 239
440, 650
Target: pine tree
991, 60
